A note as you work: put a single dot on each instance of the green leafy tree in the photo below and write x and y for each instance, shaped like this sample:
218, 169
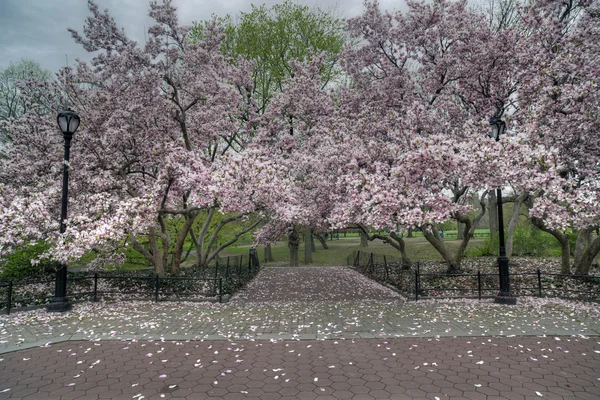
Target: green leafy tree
273, 37
13, 101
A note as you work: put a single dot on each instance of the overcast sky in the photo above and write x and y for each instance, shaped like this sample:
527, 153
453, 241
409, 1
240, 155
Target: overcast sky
37, 29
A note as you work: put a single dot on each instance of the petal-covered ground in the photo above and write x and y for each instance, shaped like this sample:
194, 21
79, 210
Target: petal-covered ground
137, 349
313, 284
302, 303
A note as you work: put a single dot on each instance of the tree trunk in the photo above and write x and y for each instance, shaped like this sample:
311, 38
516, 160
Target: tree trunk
157, 259
213, 254
307, 246
460, 234
432, 235
587, 258
406, 261
201, 254
207, 246
395, 241
268, 253
584, 240
512, 224
165, 239
322, 240
143, 251
293, 244
364, 240
565, 245
410, 232
313, 248
176, 264
493, 219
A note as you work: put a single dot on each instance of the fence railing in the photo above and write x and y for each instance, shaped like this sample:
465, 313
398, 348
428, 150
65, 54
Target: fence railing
227, 276
412, 282
384, 268
474, 235
94, 287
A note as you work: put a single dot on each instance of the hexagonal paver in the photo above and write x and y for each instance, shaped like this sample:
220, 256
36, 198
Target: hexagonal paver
287, 369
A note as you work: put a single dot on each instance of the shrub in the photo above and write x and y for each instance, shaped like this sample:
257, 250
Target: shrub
530, 241
19, 266
489, 247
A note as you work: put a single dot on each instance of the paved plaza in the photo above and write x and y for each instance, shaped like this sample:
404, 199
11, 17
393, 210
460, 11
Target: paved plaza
305, 333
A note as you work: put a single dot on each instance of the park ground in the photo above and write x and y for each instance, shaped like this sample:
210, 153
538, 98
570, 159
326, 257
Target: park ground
305, 333
530, 243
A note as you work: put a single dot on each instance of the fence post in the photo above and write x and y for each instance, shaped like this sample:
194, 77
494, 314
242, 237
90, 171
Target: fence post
479, 283
95, 299
156, 288
417, 285
216, 267
9, 297
227, 269
220, 290
539, 276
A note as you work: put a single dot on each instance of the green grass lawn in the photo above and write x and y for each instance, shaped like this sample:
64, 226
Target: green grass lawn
418, 248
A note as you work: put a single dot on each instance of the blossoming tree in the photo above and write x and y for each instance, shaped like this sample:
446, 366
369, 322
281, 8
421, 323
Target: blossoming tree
559, 100
156, 119
427, 83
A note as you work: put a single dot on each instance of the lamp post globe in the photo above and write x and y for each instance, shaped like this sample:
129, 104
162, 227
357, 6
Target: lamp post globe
498, 127
68, 122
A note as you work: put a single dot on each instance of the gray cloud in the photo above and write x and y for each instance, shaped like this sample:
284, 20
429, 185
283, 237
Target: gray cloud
37, 29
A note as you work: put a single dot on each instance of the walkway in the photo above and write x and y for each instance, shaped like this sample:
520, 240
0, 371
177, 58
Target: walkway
380, 346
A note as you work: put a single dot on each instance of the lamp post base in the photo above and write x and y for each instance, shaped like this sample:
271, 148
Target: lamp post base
59, 304
508, 300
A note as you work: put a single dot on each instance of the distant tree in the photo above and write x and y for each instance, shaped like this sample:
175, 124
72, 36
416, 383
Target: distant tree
273, 37
13, 101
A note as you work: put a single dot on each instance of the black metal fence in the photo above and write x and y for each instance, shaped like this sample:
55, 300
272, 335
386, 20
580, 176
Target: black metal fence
225, 277
414, 283
385, 269
474, 235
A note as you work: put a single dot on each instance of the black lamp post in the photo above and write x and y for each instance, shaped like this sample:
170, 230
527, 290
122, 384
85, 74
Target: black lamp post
68, 121
504, 296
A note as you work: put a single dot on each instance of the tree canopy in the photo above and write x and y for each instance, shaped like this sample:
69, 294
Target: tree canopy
274, 37
168, 135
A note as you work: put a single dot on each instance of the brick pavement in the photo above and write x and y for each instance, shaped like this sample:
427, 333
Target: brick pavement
378, 348
447, 368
